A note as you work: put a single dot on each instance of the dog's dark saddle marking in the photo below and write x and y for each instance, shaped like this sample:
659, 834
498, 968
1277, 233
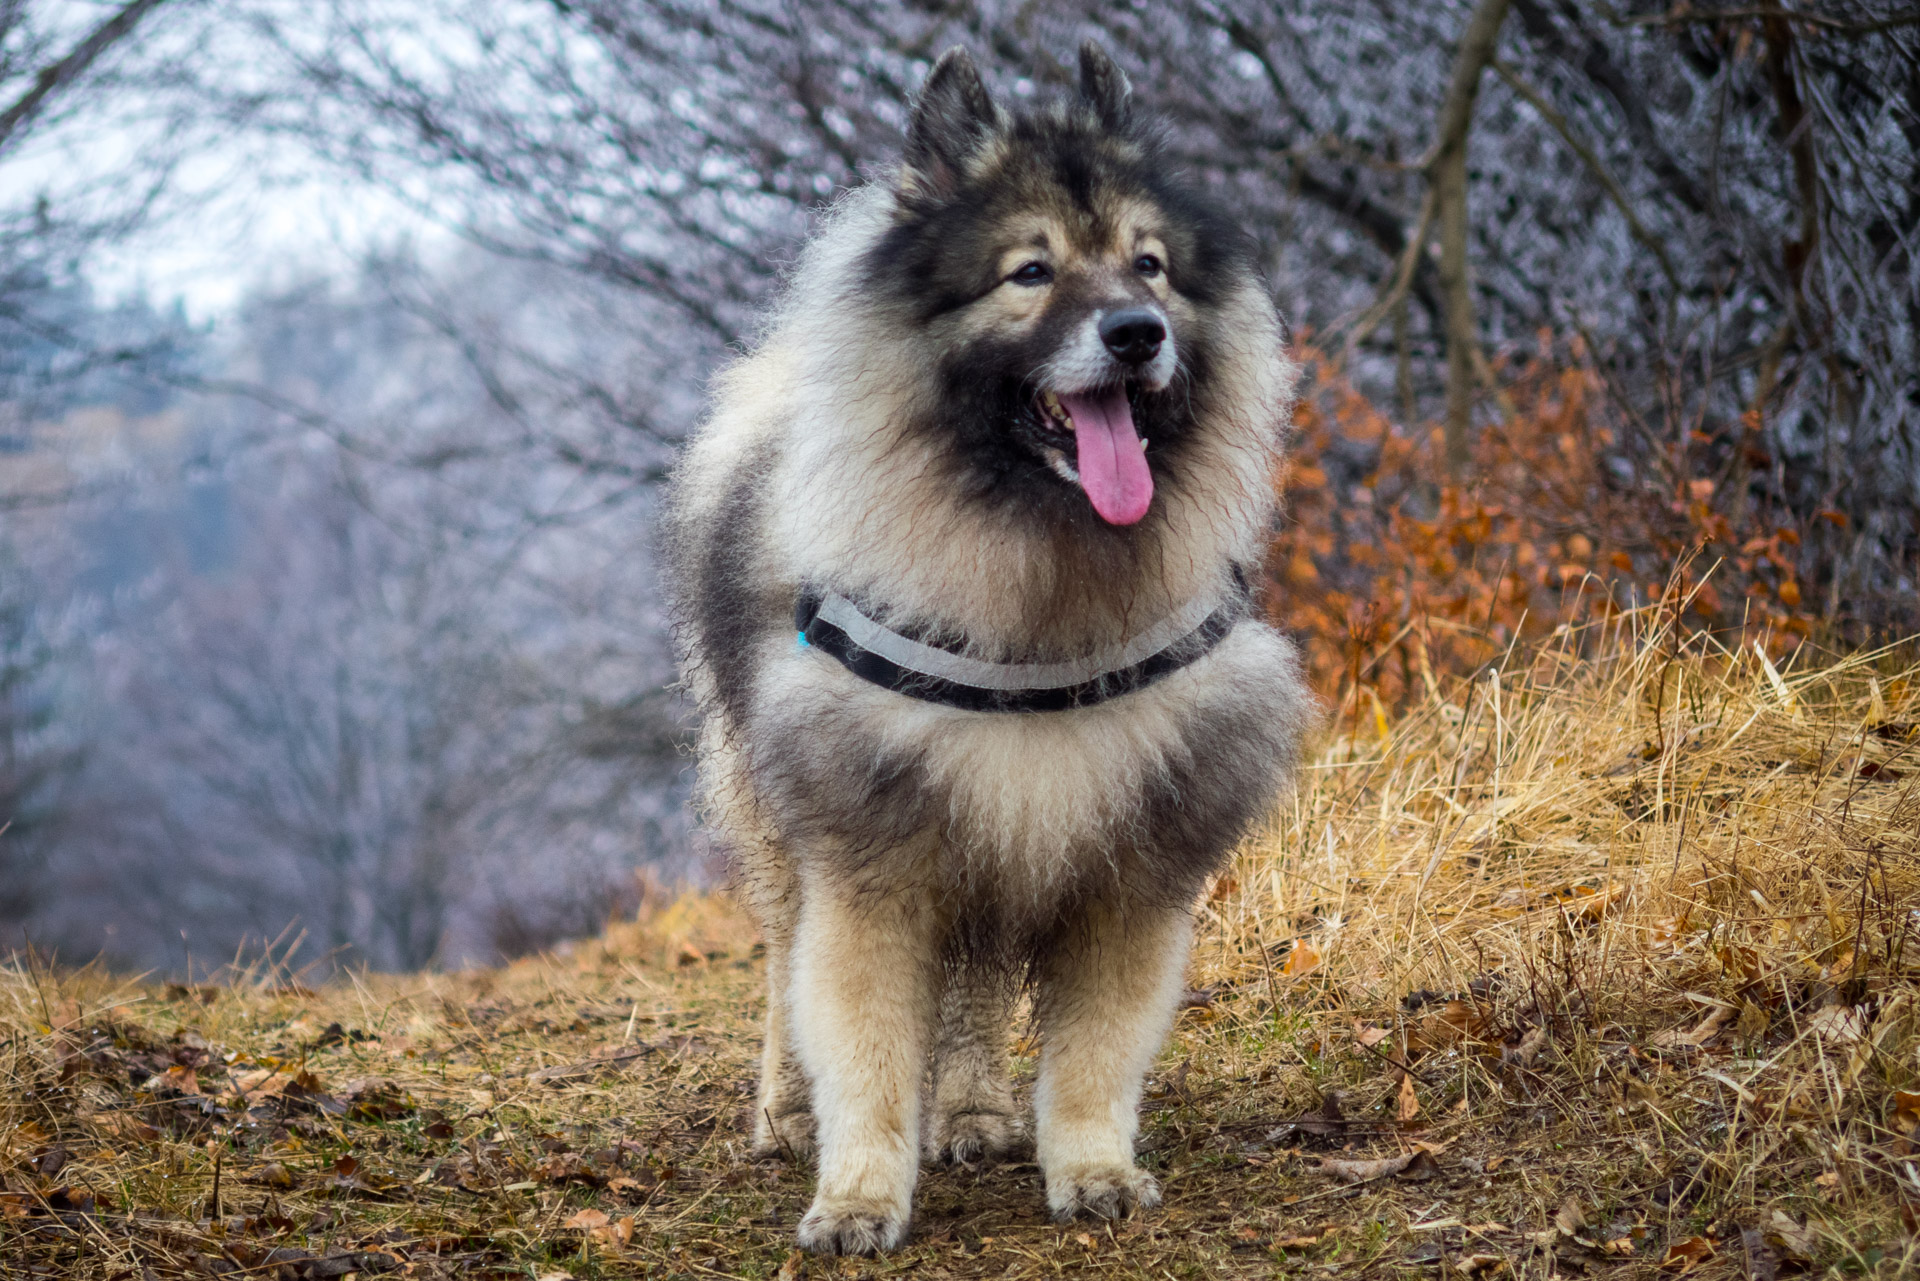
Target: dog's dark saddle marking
834, 625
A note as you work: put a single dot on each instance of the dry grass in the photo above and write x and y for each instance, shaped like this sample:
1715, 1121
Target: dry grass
1610, 954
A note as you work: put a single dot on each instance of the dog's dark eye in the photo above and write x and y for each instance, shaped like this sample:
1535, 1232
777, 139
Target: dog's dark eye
1147, 265
1031, 273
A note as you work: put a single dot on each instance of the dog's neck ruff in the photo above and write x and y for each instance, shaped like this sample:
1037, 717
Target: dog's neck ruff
829, 622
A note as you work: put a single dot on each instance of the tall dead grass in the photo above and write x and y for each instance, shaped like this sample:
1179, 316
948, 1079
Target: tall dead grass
1687, 876
1658, 828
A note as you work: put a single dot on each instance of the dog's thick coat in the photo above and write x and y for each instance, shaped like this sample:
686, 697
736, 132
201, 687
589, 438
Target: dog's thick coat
918, 430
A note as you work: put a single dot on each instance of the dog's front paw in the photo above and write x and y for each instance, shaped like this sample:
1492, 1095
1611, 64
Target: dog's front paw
786, 1135
852, 1227
1109, 1192
963, 1138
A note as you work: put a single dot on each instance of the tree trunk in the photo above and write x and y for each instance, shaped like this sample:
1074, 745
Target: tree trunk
1449, 178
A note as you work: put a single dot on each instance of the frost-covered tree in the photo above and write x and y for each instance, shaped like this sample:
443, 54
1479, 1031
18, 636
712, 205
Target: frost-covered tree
406, 696
1721, 206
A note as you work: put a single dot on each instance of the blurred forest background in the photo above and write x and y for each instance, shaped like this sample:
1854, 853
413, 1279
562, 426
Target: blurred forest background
327, 612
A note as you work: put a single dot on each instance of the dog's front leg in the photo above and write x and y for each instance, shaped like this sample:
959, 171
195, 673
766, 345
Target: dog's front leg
1106, 1000
862, 997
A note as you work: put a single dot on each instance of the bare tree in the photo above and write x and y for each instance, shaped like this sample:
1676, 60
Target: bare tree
1718, 203
71, 74
412, 704
35, 758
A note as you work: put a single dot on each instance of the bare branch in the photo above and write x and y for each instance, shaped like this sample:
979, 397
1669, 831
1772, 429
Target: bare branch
65, 71
1595, 166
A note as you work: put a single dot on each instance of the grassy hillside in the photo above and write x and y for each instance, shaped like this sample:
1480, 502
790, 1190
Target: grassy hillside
1594, 965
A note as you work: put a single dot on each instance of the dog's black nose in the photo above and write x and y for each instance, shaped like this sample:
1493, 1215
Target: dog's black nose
1133, 336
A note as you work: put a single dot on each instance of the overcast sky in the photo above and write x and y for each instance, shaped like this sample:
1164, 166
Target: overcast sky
251, 230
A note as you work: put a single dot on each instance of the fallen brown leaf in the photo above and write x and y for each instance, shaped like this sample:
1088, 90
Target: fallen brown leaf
175, 1080
1325, 1123
1699, 1034
1455, 1021
563, 1074
1418, 1164
351, 1178
299, 1089
273, 1175
1302, 960
376, 1099
1407, 1107
568, 1167
1789, 1238
1361, 1171
130, 1128
1838, 1024
1527, 1050
619, 1059
1685, 1256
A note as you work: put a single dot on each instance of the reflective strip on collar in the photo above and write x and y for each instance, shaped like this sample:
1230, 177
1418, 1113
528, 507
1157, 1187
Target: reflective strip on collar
904, 651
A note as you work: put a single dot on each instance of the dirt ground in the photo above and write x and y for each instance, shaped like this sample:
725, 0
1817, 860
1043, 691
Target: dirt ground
1601, 968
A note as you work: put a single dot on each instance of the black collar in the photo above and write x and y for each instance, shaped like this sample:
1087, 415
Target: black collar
834, 625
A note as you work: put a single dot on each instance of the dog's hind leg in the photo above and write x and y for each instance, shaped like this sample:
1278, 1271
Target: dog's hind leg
783, 1120
973, 1115
1106, 999
865, 972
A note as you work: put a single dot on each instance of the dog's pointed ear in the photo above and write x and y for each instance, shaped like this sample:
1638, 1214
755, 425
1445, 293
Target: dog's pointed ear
953, 118
1104, 86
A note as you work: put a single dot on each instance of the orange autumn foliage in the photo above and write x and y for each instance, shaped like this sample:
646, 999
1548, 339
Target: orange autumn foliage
1406, 576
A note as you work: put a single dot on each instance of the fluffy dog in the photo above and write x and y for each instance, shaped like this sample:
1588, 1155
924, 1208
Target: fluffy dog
961, 560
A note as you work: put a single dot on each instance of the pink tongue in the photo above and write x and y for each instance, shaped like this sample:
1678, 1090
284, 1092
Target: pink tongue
1112, 465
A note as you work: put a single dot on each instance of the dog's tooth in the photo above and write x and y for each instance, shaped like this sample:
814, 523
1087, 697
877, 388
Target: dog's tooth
1143, 444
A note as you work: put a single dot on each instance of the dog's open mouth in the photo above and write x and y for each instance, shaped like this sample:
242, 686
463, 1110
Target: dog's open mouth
1108, 460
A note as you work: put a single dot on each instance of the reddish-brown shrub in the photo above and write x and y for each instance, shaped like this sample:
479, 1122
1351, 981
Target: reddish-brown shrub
1404, 573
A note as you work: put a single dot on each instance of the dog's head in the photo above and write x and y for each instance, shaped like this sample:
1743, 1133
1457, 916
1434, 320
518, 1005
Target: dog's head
1066, 286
